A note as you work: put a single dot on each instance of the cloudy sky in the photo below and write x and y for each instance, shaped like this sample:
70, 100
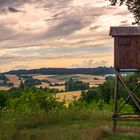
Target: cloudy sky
58, 33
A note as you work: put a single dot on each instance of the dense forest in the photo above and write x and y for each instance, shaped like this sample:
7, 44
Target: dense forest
53, 71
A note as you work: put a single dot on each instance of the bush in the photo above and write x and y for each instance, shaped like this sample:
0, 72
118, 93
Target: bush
34, 99
73, 85
31, 82
3, 100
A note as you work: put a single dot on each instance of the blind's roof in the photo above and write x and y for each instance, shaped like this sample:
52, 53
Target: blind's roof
125, 31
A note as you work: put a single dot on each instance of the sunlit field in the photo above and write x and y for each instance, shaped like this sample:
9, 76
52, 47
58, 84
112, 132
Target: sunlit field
60, 79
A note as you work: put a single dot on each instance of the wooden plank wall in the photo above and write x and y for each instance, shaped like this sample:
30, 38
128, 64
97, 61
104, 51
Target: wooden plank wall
127, 52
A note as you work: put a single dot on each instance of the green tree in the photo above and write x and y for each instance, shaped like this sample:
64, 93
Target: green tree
106, 90
89, 96
31, 82
107, 78
73, 85
34, 99
3, 100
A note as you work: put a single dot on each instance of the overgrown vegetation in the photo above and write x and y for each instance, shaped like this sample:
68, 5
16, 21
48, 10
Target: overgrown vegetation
59, 71
36, 113
31, 82
73, 85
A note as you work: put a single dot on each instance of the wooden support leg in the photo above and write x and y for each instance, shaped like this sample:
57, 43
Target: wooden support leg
116, 115
115, 103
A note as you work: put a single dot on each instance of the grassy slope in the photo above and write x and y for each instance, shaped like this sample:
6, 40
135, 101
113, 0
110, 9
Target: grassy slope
65, 125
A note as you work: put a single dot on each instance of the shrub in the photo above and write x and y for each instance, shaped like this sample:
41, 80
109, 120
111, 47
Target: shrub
73, 85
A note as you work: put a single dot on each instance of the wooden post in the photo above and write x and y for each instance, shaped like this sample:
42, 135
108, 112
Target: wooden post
126, 59
117, 115
115, 102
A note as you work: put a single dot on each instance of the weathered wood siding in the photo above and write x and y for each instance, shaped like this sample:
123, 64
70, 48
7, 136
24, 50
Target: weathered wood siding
127, 52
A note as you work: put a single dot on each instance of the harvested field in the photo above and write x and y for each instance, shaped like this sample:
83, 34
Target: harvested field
14, 79
4, 88
44, 85
41, 76
58, 87
68, 96
65, 77
60, 79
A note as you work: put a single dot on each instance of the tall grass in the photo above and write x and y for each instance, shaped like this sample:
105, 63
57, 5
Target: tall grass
42, 119
58, 125
13, 125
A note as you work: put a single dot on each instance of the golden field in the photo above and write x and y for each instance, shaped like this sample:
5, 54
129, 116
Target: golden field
68, 96
59, 79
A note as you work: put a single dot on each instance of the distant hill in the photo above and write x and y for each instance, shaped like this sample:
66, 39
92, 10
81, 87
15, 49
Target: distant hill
55, 71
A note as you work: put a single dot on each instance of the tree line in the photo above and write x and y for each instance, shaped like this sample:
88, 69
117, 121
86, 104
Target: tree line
28, 98
55, 71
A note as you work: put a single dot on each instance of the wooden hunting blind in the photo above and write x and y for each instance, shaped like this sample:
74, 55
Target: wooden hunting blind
126, 57
126, 47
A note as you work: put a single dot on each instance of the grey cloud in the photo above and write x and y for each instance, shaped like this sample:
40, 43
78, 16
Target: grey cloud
67, 26
83, 41
71, 20
14, 2
18, 3
83, 12
57, 4
58, 14
4, 4
7, 33
13, 10
24, 46
65, 21
7, 59
64, 27
94, 27
52, 19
